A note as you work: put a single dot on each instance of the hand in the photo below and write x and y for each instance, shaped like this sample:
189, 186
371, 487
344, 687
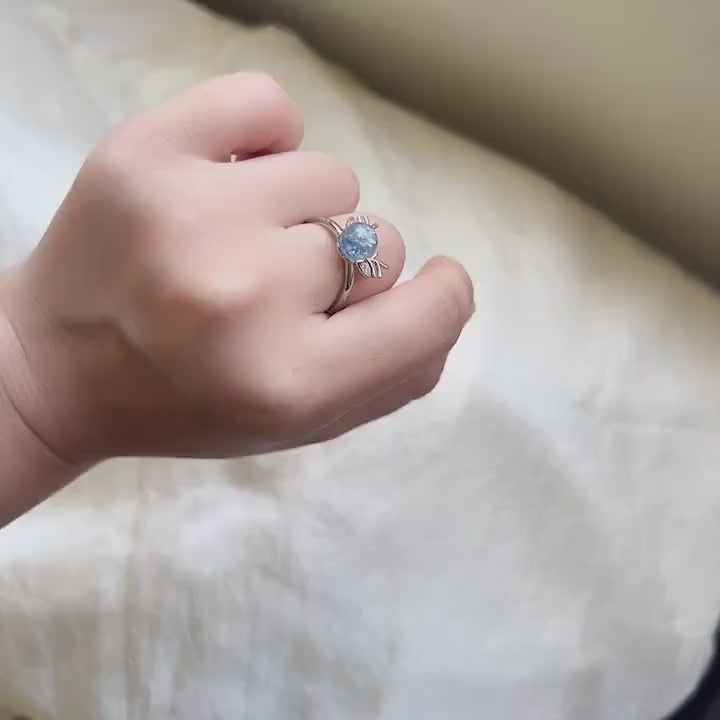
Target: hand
176, 305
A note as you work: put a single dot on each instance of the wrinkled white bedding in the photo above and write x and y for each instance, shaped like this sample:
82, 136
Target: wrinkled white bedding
538, 539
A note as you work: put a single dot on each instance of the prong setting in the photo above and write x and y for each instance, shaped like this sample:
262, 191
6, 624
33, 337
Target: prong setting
357, 244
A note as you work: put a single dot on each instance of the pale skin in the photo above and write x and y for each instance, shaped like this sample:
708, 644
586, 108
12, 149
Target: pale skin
177, 304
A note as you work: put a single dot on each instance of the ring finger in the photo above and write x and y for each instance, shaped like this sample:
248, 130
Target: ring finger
314, 253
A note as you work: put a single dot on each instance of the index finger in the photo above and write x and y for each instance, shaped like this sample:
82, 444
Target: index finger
243, 114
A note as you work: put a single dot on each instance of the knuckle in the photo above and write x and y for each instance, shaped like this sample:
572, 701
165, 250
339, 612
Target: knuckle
262, 90
266, 89
186, 294
200, 294
340, 176
236, 88
121, 196
123, 175
171, 293
111, 161
269, 89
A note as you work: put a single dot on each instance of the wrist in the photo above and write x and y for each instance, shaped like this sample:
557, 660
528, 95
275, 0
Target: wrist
30, 470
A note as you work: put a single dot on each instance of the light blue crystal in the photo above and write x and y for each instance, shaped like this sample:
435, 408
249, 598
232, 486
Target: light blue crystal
358, 242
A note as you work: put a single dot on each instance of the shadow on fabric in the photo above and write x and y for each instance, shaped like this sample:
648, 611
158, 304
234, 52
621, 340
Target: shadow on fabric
704, 703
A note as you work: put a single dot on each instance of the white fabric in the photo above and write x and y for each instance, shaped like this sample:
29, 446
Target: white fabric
537, 539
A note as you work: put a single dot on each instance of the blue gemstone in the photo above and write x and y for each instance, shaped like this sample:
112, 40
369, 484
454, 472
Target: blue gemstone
358, 242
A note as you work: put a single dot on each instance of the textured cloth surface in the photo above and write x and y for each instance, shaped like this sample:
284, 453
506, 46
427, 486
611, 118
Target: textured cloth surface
538, 539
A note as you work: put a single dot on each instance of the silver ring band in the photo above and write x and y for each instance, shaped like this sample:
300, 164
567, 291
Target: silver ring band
357, 245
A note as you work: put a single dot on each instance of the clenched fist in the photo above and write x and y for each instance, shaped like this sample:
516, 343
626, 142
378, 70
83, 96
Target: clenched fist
177, 304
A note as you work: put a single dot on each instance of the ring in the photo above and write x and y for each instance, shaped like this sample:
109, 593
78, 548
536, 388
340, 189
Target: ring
357, 245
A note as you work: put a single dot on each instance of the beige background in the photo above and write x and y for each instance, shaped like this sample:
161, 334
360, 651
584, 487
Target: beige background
618, 100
